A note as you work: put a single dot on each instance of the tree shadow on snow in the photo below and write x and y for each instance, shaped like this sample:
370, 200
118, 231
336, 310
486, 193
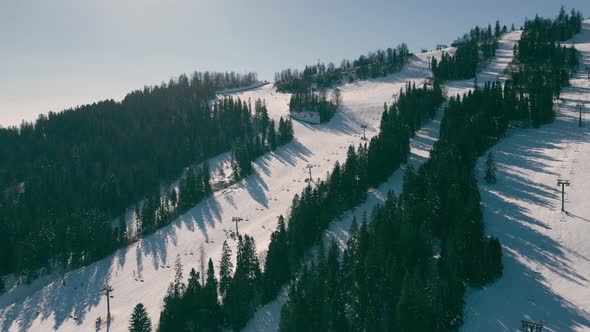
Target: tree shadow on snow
523, 292
61, 302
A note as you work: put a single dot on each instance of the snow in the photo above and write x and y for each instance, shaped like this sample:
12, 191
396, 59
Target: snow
267, 318
546, 252
252, 86
46, 305
309, 117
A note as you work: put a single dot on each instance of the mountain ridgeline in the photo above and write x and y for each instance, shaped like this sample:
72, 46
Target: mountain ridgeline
321, 76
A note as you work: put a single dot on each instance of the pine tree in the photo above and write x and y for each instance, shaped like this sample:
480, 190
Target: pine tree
210, 301
493, 267
337, 97
497, 29
290, 132
179, 286
140, 321
276, 266
272, 136
2, 285
225, 269
490, 169
202, 260
206, 179
282, 132
243, 293
193, 286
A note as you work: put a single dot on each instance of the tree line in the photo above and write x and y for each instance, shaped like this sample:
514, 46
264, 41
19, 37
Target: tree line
68, 174
542, 65
373, 65
268, 138
159, 209
473, 49
312, 101
195, 306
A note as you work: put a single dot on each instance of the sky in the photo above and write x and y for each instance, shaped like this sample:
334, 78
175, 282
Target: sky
62, 53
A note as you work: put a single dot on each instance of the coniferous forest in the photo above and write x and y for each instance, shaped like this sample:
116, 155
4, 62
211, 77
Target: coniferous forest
67, 175
310, 101
321, 76
160, 209
543, 66
311, 213
472, 50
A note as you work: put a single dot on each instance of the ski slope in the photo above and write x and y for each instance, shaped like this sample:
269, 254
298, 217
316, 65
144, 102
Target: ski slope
267, 318
546, 252
142, 271
494, 71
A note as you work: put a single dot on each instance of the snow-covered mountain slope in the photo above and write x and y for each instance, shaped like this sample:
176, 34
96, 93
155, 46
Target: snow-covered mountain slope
546, 251
267, 317
49, 305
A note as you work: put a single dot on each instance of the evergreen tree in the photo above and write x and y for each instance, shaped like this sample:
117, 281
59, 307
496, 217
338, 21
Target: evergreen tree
277, 265
490, 167
272, 136
179, 286
140, 321
192, 305
225, 270
243, 294
211, 304
493, 268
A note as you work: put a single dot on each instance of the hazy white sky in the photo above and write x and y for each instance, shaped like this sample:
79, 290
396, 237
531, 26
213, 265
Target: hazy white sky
61, 53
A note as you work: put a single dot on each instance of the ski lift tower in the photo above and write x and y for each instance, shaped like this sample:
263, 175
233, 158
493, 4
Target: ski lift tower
107, 290
309, 166
580, 106
237, 220
364, 134
563, 184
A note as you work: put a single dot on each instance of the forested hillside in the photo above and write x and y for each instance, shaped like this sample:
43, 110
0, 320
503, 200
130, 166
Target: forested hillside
543, 66
473, 49
320, 76
66, 176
